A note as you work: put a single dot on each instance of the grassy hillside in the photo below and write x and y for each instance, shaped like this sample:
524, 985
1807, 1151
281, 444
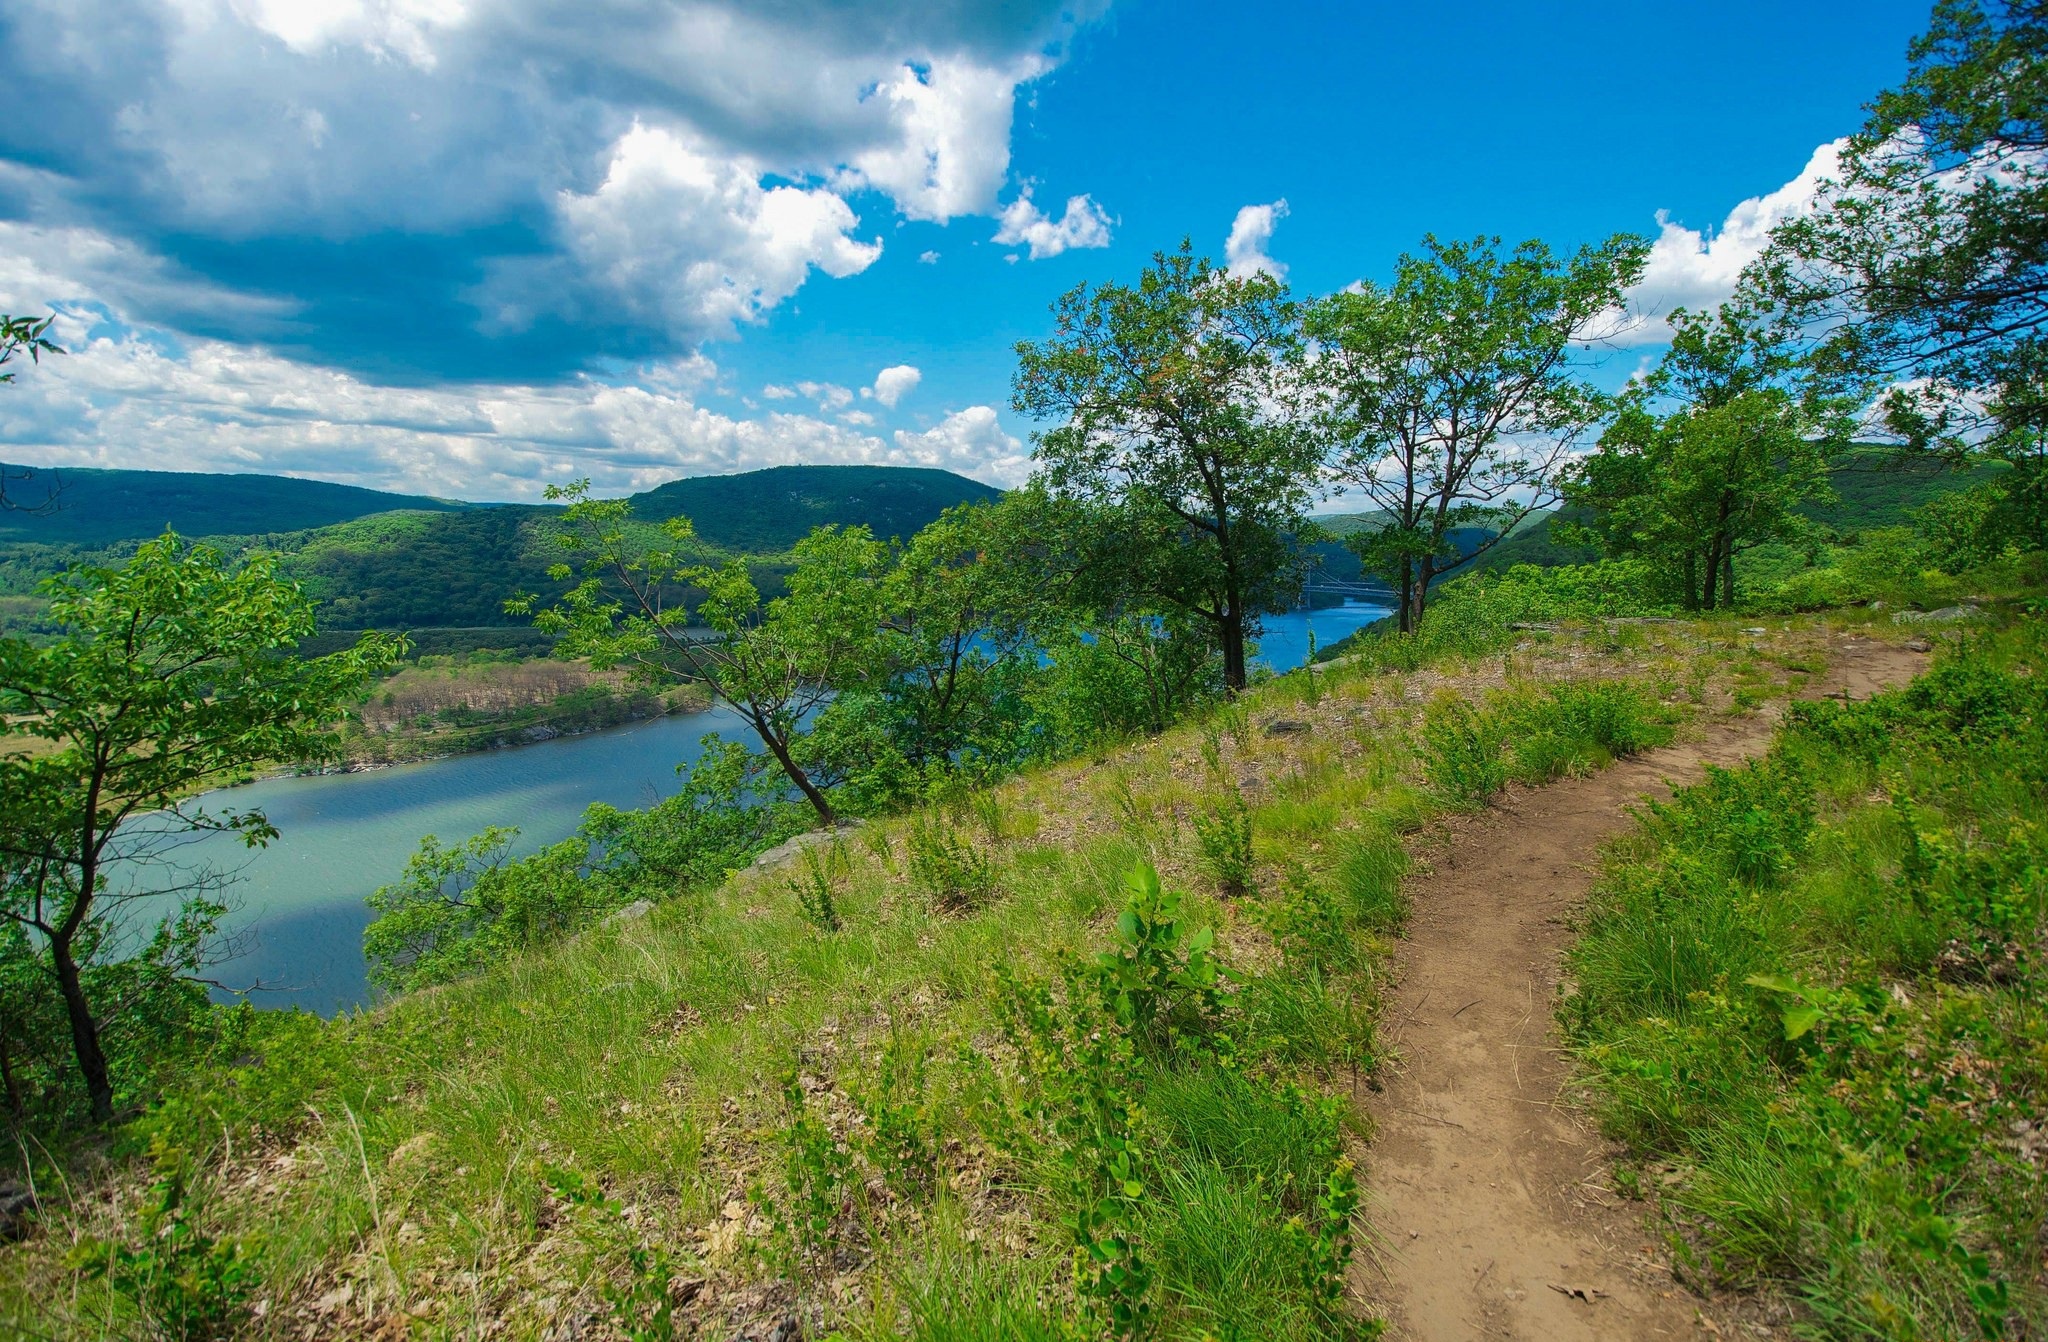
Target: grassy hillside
98, 507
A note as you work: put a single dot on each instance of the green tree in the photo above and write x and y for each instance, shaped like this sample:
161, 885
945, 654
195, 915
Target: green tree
942, 690
775, 663
1168, 397
1921, 277
1723, 470
1450, 398
172, 673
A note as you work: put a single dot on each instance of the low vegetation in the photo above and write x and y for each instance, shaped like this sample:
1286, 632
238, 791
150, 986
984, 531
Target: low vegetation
1809, 996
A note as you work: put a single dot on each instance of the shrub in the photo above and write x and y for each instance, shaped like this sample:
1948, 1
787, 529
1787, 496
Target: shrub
1224, 835
1464, 751
952, 873
184, 1282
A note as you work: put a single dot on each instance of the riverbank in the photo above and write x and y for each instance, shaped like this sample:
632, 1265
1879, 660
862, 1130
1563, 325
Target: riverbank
453, 705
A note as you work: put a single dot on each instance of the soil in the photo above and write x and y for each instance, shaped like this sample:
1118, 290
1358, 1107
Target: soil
1488, 1195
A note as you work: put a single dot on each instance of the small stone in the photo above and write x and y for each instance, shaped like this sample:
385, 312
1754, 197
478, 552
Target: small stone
1286, 727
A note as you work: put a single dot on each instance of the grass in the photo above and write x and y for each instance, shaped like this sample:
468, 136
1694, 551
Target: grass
1811, 989
408, 1163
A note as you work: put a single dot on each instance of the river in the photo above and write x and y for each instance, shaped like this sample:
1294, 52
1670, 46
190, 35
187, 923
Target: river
299, 902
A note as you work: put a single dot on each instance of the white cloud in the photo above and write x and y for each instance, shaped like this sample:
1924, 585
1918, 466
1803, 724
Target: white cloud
1085, 224
1696, 270
1244, 253
928, 258
828, 395
693, 243
128, 401
777, 393
951, 148
970, 441
893, 384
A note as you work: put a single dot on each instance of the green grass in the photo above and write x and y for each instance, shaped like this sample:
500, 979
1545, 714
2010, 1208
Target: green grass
414, 1155
1813, 986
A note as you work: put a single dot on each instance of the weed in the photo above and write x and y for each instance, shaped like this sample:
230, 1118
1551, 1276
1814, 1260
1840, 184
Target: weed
1225, 837
643, 1309
814, 1173
1307, 921
813, 885
187, 1284
897, 1137
1160, 981
987, 808
954, 875
1465, 759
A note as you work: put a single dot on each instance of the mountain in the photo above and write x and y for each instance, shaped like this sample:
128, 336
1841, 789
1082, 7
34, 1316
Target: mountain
766, 512
99, 507
392, 561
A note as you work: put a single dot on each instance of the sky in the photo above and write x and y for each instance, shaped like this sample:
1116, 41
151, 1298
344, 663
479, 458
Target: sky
471, 247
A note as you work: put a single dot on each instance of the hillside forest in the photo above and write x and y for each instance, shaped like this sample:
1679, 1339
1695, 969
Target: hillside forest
1024, 970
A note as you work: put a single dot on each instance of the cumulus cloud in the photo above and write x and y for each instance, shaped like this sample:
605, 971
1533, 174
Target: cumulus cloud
828, 395
928, 258
1695, 269
494, 169
974, 435
682, 238
1085, 224
1244, 253
893, 384
123, 399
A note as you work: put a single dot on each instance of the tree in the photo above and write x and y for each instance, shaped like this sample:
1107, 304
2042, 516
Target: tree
1723, 471
1449, 396
941, 691
1921, 276
1169, 402
30, 336
172, 673
774, 664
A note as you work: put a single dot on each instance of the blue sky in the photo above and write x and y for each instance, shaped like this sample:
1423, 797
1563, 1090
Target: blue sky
470, 246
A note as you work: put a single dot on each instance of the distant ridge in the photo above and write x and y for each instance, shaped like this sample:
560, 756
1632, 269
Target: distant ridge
99, 507
763, 512
375, 560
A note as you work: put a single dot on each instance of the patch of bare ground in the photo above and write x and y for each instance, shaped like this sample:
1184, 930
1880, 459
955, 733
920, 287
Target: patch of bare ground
1487, 1192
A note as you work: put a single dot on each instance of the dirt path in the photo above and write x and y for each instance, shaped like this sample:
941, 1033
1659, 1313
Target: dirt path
1487, 1192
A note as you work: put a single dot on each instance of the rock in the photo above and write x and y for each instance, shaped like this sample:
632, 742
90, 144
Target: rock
541, 733
1946, 615
783, 852
17, 1211
1286, 727
1757, 630
639, 908
1918, 645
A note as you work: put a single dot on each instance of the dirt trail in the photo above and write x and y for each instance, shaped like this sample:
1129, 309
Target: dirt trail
1487, 1191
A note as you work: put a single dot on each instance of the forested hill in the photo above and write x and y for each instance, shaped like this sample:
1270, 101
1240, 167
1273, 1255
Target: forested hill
391, 561
100, 507
766, 512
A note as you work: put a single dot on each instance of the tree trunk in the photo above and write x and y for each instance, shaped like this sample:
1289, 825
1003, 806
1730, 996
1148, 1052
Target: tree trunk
85, 1032
7, 1077
1230, 632
1728, 575
793, 771
1407, 594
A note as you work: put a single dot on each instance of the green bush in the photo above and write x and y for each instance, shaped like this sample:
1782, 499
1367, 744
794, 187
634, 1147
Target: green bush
1464, 751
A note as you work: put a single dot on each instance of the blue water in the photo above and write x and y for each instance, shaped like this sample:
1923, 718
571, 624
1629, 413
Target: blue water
299, 908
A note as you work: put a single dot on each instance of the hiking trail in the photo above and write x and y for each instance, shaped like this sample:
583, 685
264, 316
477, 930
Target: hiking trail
1487, 1193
